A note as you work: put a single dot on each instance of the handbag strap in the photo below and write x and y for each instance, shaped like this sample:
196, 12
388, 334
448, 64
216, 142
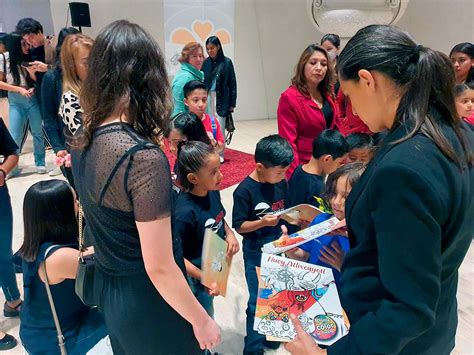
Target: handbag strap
62, 346
80, 223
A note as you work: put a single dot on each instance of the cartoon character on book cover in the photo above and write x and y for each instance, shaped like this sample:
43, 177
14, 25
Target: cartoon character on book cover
287, 287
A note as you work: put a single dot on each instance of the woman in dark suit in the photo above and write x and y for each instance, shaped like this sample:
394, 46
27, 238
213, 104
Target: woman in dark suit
410, 215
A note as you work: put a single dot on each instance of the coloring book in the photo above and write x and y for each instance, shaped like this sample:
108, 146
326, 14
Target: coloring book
215, 264
296, 214
285, 243
287, 287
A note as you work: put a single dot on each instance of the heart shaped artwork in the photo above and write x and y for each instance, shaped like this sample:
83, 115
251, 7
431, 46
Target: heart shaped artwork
203, 29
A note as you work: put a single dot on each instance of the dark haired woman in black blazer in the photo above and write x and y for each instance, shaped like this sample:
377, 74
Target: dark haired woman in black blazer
410, 216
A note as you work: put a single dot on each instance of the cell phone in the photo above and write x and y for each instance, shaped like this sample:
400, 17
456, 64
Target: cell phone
26, 64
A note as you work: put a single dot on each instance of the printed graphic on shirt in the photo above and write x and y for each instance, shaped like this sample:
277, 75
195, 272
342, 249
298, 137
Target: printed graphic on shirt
215, 224
262, 209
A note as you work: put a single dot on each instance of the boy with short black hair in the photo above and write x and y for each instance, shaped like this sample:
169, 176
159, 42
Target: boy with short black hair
361, 147
195, 99
256, 199
307, 182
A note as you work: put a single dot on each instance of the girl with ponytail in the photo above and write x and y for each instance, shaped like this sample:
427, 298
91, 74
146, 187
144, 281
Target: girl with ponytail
410, 215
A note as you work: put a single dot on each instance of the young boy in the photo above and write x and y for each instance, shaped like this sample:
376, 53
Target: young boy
361, 147
307, 182
195, 99
257, 197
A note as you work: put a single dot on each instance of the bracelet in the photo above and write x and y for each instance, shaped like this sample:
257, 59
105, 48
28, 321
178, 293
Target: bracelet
4, 174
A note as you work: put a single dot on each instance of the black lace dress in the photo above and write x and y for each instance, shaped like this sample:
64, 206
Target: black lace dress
121, 178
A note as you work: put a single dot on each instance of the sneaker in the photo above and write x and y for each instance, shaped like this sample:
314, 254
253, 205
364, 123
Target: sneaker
7, 342
40, 169
55, 172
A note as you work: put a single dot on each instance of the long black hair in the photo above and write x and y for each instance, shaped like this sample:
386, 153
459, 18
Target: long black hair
129, 77
425, 76
61, 37
192, 156
217, 42
190, 126
468, 49
49, 216
15, 53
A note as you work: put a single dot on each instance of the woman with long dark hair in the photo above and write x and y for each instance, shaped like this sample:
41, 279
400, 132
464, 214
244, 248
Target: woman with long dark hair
462, 57
51, 231
307, 107
22, 99
410, 215
219, 77
123, 181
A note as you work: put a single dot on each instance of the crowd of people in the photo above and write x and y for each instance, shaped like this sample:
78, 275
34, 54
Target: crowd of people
379, 134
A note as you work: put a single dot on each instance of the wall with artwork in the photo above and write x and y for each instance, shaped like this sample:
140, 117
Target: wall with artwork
267, 35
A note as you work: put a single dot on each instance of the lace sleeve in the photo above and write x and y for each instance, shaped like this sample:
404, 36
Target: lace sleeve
149, 185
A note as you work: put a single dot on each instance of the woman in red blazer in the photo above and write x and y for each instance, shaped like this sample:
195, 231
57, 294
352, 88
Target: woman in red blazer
307, 108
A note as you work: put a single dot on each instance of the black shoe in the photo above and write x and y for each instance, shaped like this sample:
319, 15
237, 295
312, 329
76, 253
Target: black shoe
8, 342
11, 312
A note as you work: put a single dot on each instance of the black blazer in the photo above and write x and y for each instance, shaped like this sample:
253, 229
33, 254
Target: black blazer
226, 84
411, 222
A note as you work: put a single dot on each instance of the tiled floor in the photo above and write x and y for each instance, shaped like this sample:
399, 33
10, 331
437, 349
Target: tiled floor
230, 311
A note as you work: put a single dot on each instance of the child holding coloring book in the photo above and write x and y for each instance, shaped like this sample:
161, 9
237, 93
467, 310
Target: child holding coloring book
198, 207
329, 250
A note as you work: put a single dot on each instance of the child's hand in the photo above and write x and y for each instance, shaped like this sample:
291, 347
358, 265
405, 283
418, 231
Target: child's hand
213, 290
270, 221
232, 244
333, 255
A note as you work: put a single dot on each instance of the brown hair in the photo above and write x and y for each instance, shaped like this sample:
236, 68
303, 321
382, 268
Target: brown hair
123, 84
69, 51
188, 50
299, 79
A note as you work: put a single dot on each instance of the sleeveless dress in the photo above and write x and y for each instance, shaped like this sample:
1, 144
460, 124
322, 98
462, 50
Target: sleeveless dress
82, 326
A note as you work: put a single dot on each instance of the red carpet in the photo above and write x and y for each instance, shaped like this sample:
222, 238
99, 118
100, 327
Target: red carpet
236, 167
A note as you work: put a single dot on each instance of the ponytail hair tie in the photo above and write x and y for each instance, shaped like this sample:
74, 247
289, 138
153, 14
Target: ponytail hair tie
181, 144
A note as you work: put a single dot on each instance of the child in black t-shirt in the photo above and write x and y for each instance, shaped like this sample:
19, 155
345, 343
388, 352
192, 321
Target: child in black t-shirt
361, 147
257, 197
198, 207
307, 181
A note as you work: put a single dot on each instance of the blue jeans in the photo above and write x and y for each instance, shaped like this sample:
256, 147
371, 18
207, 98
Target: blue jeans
252, 249
7, 274
24, 110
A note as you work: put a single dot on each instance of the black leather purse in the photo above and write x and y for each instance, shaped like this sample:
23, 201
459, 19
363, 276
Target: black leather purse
85, 270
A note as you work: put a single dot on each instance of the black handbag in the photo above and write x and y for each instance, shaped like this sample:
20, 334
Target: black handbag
229, 127
85, 270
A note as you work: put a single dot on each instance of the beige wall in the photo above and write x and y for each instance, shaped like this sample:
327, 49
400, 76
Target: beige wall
271, 34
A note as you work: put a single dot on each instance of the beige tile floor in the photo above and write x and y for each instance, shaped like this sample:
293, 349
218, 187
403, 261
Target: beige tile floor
230, 311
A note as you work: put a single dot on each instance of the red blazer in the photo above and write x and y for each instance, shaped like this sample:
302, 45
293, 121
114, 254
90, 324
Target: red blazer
300, 121
350, 123
470, 119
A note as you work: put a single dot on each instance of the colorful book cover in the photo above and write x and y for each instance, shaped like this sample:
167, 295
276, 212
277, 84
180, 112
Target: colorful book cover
298, 213
285, 243
287, 287
215, 264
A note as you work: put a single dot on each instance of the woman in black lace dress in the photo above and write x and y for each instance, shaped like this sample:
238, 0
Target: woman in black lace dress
123, 181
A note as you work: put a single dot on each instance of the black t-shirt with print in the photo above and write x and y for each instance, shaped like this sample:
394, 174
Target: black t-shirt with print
304, 186
192, 215
253, 200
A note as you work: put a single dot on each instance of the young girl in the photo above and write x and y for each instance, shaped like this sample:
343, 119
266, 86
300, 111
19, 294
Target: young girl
185, 126
199, 207
465, 102
329, 250
51, 232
